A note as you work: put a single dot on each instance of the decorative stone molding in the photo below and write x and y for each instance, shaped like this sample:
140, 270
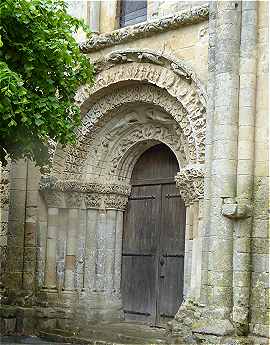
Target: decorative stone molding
147, 29
73, 199
106, 201
155, 67
69, 194
54, 198
190, 182
154, 78
168, 135
51, 183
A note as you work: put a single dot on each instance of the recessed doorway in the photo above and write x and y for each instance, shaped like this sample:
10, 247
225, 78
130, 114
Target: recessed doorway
153, 240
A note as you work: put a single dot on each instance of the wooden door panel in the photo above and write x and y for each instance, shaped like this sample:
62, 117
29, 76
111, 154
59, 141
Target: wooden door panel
140, 231
138, 287
172, 236
154, 227
172, 247
171, 287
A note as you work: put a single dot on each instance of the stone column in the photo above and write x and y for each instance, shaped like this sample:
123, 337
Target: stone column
118, 251
245, 168
221, 164
195, 254
191, 186
55, 200
103, 252
188, 251
110, 250
71, 249
224, 159
50, 265
73, 203
90, 250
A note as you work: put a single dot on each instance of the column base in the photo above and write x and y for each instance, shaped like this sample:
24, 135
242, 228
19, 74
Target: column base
69, 298
99, 306
48, 296
195, 322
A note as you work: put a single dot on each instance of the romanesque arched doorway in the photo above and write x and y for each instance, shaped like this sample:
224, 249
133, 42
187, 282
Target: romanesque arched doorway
153, 240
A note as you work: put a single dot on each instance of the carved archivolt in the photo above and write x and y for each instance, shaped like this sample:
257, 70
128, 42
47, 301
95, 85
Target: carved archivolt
190, 182
190, 130
137, 77
144, 132
145, 65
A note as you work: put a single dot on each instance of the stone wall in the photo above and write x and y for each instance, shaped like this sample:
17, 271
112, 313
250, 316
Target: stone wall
227, 232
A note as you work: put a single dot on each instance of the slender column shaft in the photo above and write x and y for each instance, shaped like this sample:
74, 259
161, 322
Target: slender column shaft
195, 254
90, 250
110, 250
50, 266
118, 251
224, 154
209, 138
71, 248
187, 261
245, 166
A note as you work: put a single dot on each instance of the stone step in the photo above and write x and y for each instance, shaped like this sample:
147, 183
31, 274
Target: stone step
107, 334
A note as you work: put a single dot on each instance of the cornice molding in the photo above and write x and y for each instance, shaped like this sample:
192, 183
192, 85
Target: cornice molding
146, 29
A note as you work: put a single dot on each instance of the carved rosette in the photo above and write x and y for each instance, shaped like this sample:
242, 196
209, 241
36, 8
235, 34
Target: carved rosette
190, 181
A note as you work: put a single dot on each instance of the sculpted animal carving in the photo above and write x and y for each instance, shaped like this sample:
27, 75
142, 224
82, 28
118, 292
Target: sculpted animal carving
151, 58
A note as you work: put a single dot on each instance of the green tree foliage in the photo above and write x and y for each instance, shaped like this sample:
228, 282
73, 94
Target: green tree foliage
41, 67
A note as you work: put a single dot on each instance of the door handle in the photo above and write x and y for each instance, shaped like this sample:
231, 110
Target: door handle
161, 260
162, 263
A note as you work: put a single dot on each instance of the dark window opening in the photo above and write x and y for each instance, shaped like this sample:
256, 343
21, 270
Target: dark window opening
132, 12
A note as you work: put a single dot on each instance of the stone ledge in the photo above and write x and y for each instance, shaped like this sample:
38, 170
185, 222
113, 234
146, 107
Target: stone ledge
146, 29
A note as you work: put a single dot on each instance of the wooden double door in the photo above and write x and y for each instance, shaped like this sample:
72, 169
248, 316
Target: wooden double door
153, 240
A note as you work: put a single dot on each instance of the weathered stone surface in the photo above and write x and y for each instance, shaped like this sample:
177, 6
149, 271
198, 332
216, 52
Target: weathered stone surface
192, 16
148, 92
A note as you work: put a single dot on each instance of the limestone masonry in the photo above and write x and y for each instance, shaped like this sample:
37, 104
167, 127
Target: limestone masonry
194, 77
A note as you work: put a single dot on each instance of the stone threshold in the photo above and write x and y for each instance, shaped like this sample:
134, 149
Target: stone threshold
121, 333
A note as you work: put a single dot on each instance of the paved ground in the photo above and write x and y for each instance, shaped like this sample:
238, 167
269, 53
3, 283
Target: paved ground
104, 333
16, 340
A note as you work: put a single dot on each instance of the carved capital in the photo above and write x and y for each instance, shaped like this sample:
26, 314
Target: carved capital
54, 198
73, 199
106, 196
93, 200
51, 183
118, 202
190, 181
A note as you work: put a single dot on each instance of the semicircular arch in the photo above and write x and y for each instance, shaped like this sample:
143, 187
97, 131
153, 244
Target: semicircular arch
155, 80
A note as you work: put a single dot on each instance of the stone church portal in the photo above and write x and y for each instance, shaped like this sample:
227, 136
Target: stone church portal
153, 240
